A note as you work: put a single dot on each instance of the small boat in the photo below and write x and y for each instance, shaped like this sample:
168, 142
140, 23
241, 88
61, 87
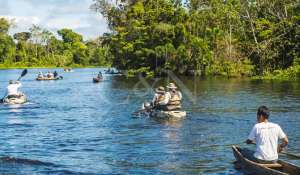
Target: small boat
68, 70
97, 80
48, 79
168, 115
112, 72
250, 167
21, 99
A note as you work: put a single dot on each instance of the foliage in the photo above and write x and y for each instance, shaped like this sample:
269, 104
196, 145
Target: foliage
212, 37
39, 48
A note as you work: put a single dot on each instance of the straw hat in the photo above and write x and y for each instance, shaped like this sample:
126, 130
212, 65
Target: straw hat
160, 89
171, 86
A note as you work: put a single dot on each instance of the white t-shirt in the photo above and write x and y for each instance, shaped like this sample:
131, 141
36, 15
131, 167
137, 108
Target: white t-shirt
266, 135
12, 89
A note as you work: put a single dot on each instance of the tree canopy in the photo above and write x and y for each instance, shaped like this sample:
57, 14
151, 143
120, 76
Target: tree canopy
40, 47
207, 37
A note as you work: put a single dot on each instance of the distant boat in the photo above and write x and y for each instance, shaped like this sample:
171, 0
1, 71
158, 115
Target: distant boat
49, 79
68, 70
112, 72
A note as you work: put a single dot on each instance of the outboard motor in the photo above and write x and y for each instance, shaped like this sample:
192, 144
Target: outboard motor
147, 106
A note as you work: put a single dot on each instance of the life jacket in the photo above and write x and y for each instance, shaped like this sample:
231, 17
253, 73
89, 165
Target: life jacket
160, 98
175, 99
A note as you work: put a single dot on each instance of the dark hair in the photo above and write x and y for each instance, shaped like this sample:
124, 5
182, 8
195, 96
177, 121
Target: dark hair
264, 111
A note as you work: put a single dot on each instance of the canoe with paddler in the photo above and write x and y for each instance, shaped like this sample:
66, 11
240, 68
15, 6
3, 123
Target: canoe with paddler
270, 140
13, 95
99, 78
49, 76
166, 105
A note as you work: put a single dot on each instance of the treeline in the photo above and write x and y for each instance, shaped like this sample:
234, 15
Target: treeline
40, 48
204, 37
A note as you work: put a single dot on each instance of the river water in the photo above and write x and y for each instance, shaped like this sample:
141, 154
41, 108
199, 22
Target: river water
74, 126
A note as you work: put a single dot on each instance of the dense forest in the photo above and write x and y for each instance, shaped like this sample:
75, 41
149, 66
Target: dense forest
40, 48
194, 37
204, 37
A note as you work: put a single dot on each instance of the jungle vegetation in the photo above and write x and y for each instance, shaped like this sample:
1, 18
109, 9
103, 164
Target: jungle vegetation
40, 48
204, 37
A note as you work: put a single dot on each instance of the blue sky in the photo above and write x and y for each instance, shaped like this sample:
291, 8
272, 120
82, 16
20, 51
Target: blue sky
54, 15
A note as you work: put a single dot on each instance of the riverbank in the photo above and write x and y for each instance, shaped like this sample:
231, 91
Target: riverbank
292, 73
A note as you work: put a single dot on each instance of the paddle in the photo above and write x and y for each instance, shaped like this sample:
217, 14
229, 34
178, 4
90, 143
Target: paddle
143, 110
24, 72
291, 155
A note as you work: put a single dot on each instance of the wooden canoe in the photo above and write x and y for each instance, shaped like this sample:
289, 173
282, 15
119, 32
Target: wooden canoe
97, 80
168, 115
15, 100
49, 79
252, 168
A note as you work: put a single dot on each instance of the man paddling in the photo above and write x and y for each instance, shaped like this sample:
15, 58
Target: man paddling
13, 89
266, 135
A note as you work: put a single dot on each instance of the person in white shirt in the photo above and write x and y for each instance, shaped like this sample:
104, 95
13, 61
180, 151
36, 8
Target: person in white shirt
266, 135
13, 88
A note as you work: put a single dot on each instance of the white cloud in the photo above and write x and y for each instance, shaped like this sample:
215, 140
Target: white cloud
22, 19
54, 15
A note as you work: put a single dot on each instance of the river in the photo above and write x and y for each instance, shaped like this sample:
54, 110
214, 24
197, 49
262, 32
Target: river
73, 126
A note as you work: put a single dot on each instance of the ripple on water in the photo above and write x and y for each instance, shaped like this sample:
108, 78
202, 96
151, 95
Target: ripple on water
76, 127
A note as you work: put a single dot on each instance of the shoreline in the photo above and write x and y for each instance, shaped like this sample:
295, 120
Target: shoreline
255, 77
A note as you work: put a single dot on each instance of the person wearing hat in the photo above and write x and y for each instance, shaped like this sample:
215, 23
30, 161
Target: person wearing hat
159, 99
13, 88
173, 98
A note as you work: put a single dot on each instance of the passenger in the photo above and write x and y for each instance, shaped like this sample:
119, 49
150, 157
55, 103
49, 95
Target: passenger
13, 89
50, 75
266, 135
173, 98
40, 75
100, 75
159, 100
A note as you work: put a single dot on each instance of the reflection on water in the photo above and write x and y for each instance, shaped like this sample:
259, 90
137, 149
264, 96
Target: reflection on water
74, 126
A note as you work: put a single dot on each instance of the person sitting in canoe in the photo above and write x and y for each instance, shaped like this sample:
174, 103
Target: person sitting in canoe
50, 75
159, 101
100, 75
173, 98
13, 89
266, 135
40, 75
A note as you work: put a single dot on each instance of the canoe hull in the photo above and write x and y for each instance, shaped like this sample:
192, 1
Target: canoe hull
97, 80
251, 167
21, 100
168, 115
49, 79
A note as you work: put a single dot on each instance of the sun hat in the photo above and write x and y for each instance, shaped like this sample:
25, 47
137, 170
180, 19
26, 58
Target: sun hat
160, 89
171, 86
